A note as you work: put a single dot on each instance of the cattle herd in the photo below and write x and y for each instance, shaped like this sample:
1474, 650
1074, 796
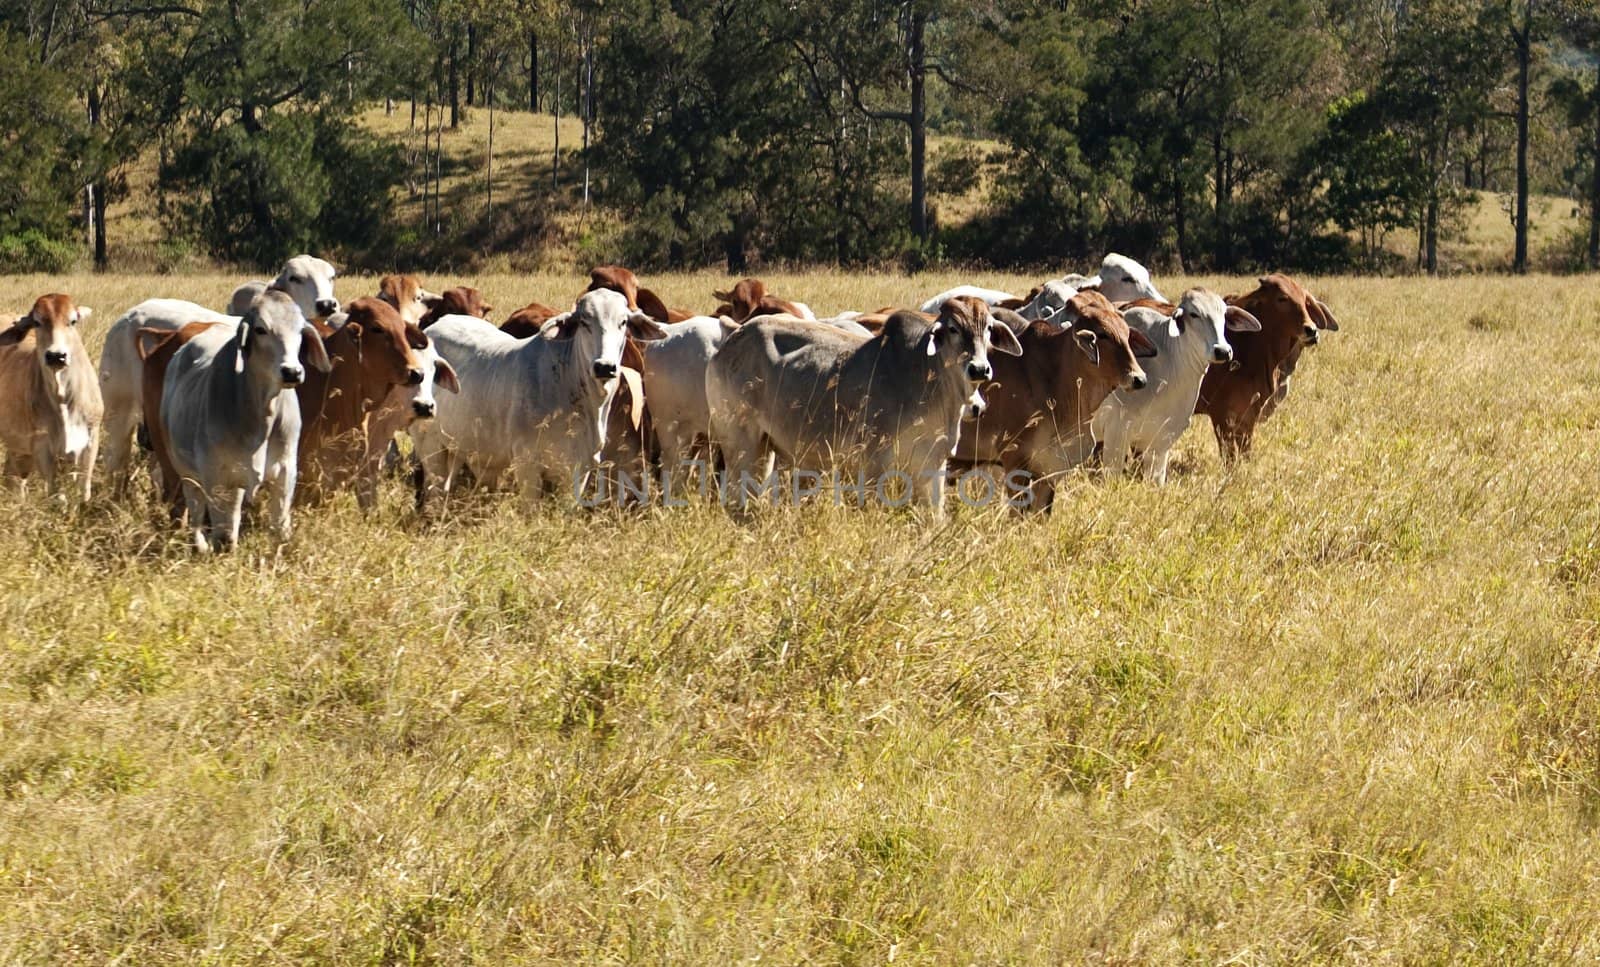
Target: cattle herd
289, 396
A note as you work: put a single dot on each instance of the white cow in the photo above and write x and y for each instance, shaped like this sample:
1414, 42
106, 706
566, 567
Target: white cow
231, 417
990, 297
536, 406
675, 387
307, 280
121, 372
1150, 421
50, 417
1121, 279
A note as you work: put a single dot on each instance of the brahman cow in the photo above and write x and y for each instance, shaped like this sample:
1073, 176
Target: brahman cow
306, 279
231, 418
618, 279
409, 298
1121, 279
121, 374
749, 298
51, 411
1240, 396
827, 400
536, 406
373, 352
1188, 339
461, 300
1041, 403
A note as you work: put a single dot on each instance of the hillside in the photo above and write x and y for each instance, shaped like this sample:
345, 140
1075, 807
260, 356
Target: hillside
533, 228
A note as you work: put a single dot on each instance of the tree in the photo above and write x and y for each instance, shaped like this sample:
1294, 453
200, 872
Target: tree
268, 162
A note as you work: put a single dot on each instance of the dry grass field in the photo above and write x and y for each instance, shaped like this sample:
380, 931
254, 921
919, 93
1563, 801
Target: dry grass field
1338, 703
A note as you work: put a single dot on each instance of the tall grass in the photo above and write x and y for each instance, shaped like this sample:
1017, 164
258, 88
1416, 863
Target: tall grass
1339, 702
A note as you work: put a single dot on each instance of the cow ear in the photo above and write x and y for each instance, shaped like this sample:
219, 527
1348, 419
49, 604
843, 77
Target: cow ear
1087, 342
1177, 320
333, 272
635, 396
430, 301
82, 313
641, 326
1322, 315
18, 329
444, 375
1141, 345
1238, 320
1002, 339
311, 347
485, 308
727, 323
556, 327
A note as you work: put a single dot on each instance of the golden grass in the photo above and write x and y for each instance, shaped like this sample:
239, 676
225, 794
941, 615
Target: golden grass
1337, 703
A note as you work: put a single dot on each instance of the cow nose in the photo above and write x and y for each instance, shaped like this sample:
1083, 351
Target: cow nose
975, 409
1221, 354
423, 408
327, 307
604, 370
978, 372
1138, 381
292, 375
55, 358
414, 377
1311, 335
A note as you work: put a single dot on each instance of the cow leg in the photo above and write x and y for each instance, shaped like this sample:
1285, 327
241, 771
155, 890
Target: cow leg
120, 422
1232, 440
927, 488
86, 462
44, 460
282, 484
225, 508
1114, 455
194, 499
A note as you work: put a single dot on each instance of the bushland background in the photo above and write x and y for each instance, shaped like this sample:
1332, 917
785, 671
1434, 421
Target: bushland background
1201, 135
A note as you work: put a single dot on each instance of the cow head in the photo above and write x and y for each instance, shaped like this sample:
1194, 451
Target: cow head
600, 325
53, 320
385, 346
273, 337
1049, 300
1121, 279
1104, 337
617, 279
1204, 318
435, 372
1287, 312
461, 300
406, 294
960, 339
309, 282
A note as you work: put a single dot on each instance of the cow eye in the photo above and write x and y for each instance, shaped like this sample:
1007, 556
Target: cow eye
261, 330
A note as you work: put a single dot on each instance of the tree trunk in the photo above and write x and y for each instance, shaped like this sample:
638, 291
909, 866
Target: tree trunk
472, 62
555, 152
587, 105
1180, 223
1220, 199
1524, 39
1431, 243
96, 207
918, 69
1594, 184
455, 84
488, 96
533, 72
